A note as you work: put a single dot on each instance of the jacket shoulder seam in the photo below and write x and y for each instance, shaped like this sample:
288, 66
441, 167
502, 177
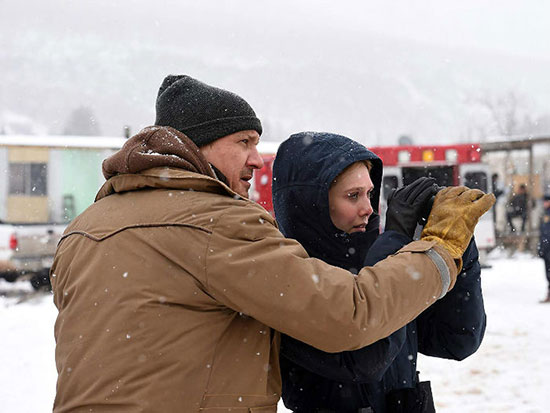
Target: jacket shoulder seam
149, 225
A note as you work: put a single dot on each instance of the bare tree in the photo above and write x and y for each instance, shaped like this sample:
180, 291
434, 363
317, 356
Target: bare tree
505, 111
503, 114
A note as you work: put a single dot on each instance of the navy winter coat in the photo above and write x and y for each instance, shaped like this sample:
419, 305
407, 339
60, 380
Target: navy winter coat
305, 166
452, 328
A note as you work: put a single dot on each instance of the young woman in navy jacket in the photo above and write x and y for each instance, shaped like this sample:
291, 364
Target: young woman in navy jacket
326, 192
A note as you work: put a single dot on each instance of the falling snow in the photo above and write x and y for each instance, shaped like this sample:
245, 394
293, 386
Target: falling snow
509, 372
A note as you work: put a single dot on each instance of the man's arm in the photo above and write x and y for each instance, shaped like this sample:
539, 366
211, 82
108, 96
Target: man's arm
251, 268
367, 364
454, 326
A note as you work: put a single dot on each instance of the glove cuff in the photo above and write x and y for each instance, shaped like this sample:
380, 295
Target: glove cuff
455, 251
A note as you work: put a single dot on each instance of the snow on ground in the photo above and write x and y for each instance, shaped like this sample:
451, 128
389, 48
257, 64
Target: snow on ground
509, 373
27, 366
511, 370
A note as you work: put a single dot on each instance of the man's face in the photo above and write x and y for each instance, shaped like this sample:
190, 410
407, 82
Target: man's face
349, 199
236, 156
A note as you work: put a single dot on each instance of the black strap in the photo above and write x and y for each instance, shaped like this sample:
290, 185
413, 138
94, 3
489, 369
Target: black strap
412, 400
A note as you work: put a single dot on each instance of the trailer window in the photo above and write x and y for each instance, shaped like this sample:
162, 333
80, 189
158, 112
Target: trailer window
28, 179
476, 180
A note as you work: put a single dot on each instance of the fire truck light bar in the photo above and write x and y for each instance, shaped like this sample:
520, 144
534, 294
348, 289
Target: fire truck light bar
403, 156
428, 155
451, 155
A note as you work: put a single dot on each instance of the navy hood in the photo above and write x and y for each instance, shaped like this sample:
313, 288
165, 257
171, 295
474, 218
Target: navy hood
305, 166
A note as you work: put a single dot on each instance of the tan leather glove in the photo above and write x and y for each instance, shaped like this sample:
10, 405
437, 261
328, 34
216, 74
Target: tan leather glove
454, 215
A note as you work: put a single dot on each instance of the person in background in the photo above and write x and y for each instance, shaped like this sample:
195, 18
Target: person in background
326, 191
544, 241
517, 207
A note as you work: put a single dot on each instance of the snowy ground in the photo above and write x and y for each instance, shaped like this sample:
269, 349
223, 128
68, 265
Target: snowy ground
510, 373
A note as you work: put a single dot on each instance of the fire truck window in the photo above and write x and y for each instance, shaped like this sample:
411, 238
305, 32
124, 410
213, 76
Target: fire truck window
389, 183
443, 175
476, 180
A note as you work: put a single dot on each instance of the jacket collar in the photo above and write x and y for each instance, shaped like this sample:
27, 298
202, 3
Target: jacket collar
157, 146
164, 178
161, 157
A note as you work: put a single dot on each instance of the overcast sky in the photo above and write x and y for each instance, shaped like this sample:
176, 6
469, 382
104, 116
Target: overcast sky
508, 26
111, 55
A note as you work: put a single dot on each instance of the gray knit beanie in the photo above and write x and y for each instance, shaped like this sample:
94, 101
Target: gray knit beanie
202, 112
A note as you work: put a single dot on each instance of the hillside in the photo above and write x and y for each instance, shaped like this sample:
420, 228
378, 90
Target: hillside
299, 72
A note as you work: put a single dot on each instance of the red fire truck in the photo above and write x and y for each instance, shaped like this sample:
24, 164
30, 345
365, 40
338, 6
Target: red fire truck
449, 164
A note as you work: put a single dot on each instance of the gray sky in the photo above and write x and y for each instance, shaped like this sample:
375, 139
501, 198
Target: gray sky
507, 26
372, 69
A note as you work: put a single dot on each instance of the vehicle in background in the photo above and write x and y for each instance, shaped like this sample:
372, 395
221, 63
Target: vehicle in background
27, 250
260, 189
450, 165
44, 179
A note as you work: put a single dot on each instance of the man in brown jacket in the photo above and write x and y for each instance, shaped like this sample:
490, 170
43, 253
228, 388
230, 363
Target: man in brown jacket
173, 286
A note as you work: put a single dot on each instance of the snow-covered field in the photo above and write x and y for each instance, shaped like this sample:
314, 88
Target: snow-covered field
510, 372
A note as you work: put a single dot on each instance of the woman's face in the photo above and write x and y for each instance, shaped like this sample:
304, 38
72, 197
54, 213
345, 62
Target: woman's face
349, 199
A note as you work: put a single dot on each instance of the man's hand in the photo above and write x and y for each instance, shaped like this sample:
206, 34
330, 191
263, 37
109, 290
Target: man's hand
406, 205
453, 218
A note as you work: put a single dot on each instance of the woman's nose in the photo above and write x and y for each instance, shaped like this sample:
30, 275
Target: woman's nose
366, 208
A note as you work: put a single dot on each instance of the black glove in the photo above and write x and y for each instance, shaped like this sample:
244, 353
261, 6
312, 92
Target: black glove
408, 205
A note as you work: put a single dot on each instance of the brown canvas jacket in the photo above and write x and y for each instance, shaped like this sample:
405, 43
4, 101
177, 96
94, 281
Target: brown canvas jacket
172, 291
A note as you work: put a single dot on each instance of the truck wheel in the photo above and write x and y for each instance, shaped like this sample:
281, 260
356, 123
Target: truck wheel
10, 276
41, 281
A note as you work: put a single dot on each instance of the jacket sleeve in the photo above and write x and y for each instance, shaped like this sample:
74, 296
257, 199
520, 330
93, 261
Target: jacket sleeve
251, 268
365, 365
386, 244
454, 326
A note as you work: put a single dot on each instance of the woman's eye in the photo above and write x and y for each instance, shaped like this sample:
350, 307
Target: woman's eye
353, 195
369, 195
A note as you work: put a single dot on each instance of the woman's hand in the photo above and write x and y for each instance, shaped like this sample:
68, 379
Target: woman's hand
407, 205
